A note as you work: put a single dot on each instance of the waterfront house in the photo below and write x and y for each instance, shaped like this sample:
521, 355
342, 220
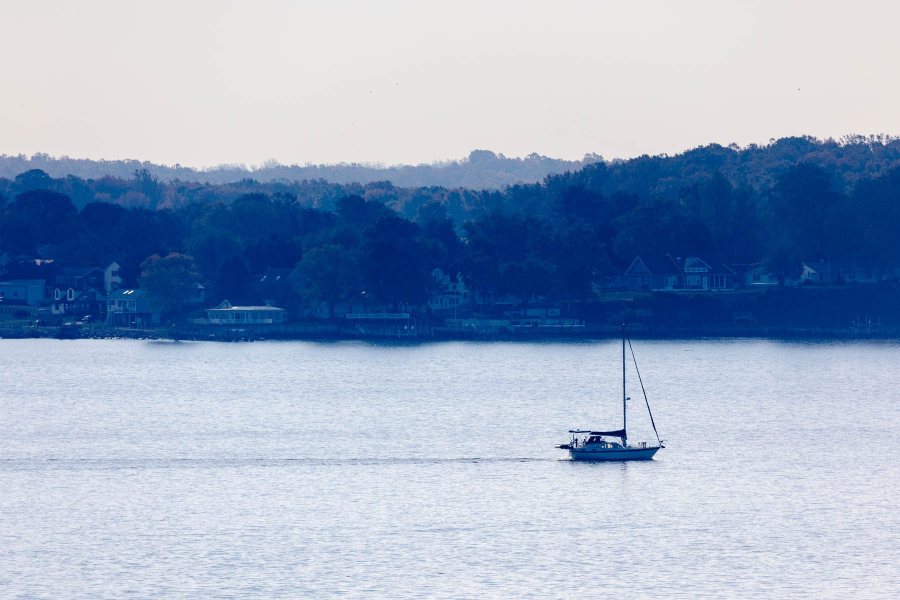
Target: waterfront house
228, 314
62, 302
80, 278
654, 273
111, 278
278, 286
705, 273
83, 290
850, 272
610, 282
491, 300
23, 291
90, 302
129, 308
815, 271
754, 275
448, 293
275, 276
674, 273
197, 295
825, 272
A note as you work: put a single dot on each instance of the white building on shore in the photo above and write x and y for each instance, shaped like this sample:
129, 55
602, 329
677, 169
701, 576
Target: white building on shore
227, 314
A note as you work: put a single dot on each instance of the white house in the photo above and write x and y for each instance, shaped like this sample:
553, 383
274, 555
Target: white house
705, 273
227, 314
448, 294
817, 272
111, 278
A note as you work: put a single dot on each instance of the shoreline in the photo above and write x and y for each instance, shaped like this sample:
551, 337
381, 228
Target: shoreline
336, 334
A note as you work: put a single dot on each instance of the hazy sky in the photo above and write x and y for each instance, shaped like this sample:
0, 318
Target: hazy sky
204, 83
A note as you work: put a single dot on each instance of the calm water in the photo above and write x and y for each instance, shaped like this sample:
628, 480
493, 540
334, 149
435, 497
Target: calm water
288, 470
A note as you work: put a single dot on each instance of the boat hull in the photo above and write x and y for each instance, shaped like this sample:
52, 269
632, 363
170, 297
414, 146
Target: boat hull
610, 454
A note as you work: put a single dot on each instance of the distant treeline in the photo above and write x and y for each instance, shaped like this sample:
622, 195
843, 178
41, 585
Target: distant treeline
796, 199
480, 170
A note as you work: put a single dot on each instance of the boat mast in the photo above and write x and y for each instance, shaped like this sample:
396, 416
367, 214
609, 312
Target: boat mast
623, 386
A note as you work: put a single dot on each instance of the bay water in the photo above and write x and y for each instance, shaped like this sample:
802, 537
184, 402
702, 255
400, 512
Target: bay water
143, 469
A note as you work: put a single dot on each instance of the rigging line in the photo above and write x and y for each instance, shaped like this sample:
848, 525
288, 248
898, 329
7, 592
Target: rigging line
638, 371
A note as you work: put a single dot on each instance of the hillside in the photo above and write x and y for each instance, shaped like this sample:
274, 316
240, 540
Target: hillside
482, 169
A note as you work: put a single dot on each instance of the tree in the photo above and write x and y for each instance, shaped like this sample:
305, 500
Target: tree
444, 248
649, 229
210, 246
581, 259
271, 252
102, 217
785, 262
509, 254
393, 264
803, 203
38, 217
142, 233
33, 179
431, 212
876, 205
332, 275
97, 242
168, 281
149, 186
359, 213
232, 278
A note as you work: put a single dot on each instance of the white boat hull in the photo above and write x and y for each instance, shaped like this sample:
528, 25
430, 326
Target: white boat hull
596, 454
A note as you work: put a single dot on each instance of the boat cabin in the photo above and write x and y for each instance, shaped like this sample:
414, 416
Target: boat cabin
596, 439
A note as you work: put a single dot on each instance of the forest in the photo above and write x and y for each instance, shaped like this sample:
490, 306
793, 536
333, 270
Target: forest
481, 169
796, 199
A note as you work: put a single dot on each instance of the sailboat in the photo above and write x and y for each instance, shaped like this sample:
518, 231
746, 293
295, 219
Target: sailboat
587, 444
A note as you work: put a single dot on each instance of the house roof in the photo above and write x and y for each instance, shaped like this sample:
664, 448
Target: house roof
78, 271
714, 263
275, 273
655, 264
226, 305
744, 268
100, 295
820, 266
758, 270
123, 294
